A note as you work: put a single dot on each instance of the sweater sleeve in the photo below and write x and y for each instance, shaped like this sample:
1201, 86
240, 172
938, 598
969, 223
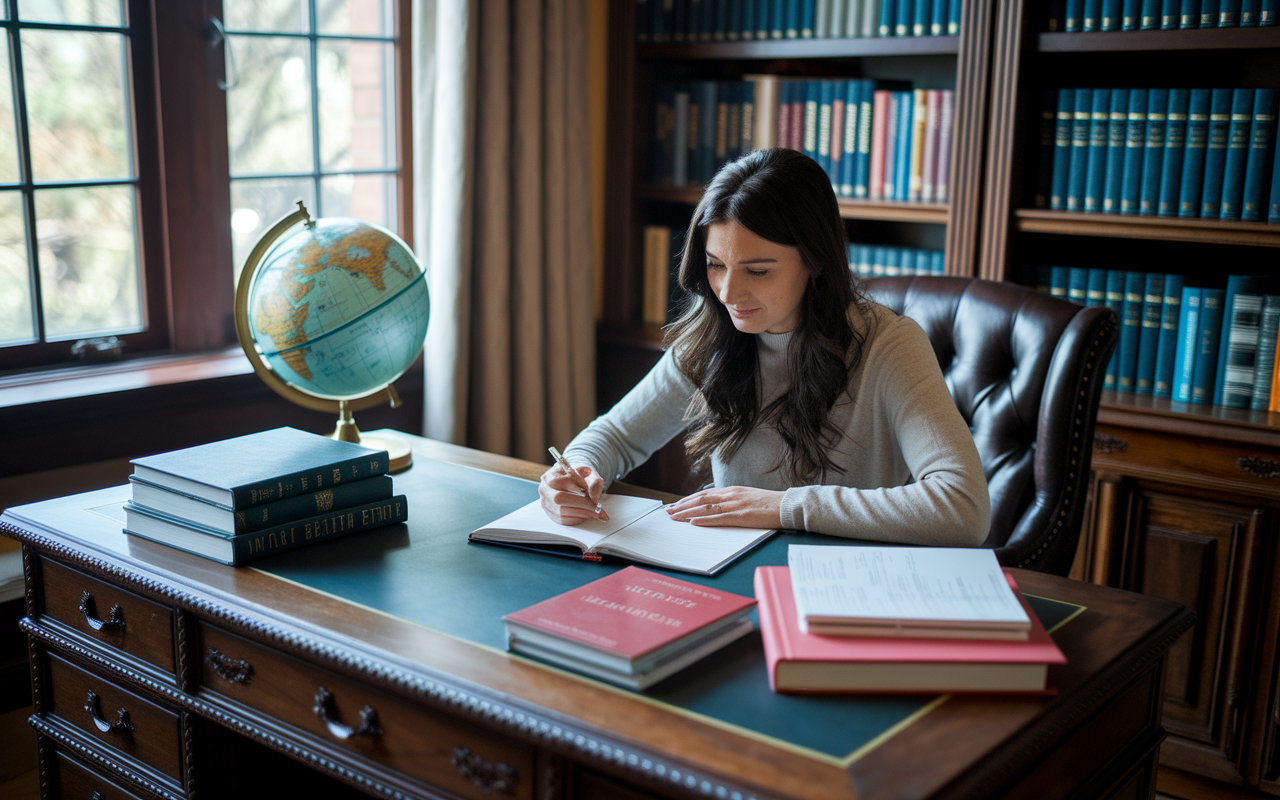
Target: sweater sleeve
946, 500
648, 417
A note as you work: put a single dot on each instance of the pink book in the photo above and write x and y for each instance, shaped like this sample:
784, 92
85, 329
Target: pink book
835, 141
797, 116
945, 116
628, 618
809, 663
879, 135
929, 176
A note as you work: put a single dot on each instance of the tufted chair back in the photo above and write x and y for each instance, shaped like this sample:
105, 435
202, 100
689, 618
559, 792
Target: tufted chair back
1026, 372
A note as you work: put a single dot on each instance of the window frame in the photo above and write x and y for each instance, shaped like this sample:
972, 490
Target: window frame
184, 188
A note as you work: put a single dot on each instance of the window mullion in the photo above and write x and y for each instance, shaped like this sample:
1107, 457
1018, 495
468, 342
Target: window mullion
27, 179
316, 164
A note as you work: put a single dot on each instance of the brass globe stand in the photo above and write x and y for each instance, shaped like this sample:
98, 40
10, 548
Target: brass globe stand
399, 450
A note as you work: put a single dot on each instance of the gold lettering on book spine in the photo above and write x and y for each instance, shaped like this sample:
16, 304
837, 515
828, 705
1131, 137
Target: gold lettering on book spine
324, 500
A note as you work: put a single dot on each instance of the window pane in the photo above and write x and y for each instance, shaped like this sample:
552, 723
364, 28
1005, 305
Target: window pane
72, 12
358, 17
75, 92
269, 110
355, 105
371, 198
89, 272
256, 205
276, 16
8, 138
16, 321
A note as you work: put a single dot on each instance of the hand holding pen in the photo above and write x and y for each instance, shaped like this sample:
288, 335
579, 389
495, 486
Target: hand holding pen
571, 495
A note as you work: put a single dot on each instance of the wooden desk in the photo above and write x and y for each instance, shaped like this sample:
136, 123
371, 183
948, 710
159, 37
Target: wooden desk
221, 669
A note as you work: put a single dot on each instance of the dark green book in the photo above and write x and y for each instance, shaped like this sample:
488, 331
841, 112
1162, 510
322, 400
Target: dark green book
261, 467
218, 546
255, 518
1144, 380
1130, 331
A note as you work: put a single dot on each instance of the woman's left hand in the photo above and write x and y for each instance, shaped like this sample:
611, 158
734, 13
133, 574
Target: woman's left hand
742, 506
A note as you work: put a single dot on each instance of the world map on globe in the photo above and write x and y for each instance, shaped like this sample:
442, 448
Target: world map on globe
339, 308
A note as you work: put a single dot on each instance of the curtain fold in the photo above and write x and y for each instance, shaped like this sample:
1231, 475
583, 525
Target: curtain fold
503, 217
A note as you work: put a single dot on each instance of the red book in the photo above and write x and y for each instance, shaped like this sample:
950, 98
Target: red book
879, 141
809, 663
785, 108
798, 97
634, 627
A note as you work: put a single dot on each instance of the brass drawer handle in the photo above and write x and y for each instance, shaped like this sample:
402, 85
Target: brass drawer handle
90, 611
1259, 467
232, 670
488, 775
324, 710
122, 725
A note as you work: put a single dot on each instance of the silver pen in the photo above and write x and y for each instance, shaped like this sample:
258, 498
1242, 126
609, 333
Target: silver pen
573, 473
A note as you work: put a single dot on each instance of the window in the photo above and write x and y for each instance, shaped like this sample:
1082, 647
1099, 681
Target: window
132, 186
310, 112
71, 182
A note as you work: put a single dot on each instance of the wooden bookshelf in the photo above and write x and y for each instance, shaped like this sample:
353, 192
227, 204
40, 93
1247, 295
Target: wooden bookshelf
1185, 499
1170, 229
850, 208
806, 49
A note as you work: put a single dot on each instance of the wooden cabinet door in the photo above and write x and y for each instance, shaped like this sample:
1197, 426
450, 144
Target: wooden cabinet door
1204, 554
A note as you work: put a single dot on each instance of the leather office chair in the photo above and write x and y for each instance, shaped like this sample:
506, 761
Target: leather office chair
1026, 371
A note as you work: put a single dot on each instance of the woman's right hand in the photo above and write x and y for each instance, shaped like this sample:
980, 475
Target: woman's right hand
563, 497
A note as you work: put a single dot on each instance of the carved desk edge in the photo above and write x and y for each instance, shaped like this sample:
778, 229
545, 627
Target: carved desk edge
1040, 736
525, 721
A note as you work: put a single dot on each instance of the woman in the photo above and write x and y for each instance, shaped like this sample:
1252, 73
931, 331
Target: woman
816, 408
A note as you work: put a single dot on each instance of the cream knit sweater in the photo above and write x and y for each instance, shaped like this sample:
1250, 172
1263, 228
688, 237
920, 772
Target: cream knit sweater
911, 473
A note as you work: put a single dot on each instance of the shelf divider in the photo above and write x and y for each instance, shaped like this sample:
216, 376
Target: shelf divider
1174, 229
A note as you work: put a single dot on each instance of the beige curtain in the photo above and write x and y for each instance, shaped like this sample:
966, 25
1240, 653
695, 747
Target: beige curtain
502, 199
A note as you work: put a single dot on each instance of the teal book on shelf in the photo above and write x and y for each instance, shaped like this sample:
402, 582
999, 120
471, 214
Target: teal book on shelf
1130, 331
1166, 348
1062, 149
1241, 334
1150, 17
1249, 13
1110, 15
1059, 281
1193, 152
1237, 154
1153, 151
1175, 136
1262, 139
1268, 329
1115, 302
1117, 128
1080, 125
1206, 366
1074, 16
1096, 288
1099, 132
1208, 13
1189, 14
1184, 357
1134, 146
1091, 18
1131, 15
1215, 154
1078, 285
1144, 380
1169, 14
1236, 285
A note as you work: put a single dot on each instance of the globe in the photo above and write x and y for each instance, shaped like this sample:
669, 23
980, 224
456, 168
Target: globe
331, 312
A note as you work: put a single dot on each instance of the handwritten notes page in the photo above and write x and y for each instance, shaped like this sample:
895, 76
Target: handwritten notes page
901, 587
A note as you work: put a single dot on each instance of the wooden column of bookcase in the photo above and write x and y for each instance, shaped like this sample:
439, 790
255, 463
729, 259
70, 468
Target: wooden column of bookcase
626, 347
1185, 499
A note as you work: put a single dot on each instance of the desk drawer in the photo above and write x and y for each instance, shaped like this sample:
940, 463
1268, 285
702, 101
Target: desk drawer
446, 753
77, 781
113, 616
139, 728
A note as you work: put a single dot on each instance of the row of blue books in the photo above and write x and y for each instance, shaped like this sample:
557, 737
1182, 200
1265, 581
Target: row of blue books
875, 261
1207, 153
1074, 16
746, 20
1206, 346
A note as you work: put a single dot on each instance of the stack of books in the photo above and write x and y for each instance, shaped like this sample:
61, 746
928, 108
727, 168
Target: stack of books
1166, 15
241, 499
632, 628
902, 620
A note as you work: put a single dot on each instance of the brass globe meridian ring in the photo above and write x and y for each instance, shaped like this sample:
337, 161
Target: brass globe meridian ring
269, 376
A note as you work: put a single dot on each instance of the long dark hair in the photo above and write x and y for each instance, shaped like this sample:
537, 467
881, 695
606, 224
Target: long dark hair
786, 197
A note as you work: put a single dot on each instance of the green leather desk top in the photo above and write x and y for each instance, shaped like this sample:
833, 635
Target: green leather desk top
426, 572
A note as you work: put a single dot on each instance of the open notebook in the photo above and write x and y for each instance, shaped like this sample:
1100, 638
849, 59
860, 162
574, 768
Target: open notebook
638, 529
